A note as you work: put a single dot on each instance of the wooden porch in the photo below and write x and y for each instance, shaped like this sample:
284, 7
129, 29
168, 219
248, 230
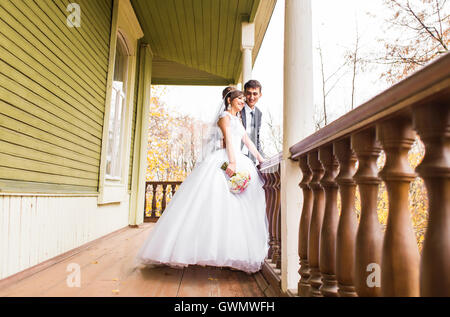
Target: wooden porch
107, 269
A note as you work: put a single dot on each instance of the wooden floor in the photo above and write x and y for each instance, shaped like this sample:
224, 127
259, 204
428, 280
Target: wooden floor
107, 269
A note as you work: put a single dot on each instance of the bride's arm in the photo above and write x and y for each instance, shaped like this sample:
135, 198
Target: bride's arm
224, 125
252, 148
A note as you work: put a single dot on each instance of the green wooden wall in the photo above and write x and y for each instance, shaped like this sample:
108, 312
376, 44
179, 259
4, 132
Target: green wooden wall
52, 94
133, 122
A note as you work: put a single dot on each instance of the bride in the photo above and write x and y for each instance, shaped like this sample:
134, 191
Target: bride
206, 224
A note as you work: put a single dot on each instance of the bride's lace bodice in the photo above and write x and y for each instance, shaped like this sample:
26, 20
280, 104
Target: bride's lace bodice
237, 131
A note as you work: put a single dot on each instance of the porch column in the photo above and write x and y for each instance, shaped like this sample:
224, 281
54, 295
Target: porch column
247, 44
297, 124
138, 189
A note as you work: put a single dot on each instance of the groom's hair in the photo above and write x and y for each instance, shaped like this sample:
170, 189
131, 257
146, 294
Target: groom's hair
253, 84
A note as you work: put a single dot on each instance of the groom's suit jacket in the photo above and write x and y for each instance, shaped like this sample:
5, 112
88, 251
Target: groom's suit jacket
258, 120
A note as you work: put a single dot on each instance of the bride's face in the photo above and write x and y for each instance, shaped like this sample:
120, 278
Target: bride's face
238, 103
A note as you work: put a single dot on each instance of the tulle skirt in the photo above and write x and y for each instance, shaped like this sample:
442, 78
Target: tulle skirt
206, 224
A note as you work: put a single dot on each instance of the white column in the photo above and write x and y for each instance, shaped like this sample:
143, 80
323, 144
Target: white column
247, 44
297, 124
136, 215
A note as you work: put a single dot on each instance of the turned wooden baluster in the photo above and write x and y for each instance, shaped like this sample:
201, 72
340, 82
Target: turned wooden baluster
273, 227
264, 177
400, 258
369, 237
305, 220
348, 223
277, 220
272, 215
163, 202
315, 279
146, 200
327, 258
433, 125
153, 212
173, 189
269, 209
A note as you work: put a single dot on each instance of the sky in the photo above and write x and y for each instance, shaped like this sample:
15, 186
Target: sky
334, 24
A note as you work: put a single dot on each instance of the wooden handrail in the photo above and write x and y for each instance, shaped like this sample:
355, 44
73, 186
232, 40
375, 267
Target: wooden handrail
274, 161
425, 86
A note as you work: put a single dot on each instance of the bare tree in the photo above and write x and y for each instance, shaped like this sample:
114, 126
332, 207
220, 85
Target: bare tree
273, 140
354, 59
424, 33
357, 62
326, 87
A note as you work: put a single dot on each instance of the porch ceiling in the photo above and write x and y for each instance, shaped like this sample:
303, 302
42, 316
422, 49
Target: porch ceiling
197, 42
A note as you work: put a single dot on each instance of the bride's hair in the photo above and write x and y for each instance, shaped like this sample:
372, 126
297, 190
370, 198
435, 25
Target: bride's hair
231, 96
227, 91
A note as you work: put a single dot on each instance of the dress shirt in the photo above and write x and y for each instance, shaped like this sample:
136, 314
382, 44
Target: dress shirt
248, 129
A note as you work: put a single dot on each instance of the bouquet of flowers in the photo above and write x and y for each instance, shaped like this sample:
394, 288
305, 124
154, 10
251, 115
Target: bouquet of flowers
239, 181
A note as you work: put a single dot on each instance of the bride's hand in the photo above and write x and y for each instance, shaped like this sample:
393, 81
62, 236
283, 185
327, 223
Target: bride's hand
231, 169
261, 159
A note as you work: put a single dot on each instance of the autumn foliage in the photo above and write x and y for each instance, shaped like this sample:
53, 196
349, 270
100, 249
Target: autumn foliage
172, 141
173, 145
423, 28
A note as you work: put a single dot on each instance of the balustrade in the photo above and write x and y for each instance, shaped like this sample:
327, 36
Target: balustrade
340, 256
150, 214
270, 171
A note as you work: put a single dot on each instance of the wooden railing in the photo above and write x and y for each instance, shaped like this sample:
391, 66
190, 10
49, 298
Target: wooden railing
338, 255
270, 171
168, 189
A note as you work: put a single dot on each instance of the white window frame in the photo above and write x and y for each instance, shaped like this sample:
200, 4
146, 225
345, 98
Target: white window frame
125, 28
120, 103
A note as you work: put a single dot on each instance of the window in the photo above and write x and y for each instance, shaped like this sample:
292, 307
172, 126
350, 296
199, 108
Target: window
116, 116
119, 105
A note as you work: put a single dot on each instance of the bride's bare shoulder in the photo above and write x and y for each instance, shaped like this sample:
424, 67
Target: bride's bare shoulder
225, 117
225, 114
224, 120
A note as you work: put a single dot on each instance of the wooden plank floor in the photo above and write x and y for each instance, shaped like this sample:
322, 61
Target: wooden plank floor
108, 269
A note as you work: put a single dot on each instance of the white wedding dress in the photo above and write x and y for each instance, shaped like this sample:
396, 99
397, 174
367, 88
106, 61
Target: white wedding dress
206, 224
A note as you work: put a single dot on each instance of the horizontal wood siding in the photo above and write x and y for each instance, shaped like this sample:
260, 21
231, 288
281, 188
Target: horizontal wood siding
52, 94
133, 122
133, 132
34, 229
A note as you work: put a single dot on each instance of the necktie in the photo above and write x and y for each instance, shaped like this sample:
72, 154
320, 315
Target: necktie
252, 133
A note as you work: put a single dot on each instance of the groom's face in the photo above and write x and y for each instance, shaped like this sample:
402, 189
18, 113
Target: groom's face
252, 96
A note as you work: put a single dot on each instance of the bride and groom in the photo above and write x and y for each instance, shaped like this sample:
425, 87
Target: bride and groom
205, 223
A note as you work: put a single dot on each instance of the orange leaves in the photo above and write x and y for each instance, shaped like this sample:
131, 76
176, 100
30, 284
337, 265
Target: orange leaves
173, 141
421, 33
418, 199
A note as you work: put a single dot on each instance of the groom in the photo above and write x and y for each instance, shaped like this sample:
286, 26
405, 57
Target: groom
251, 115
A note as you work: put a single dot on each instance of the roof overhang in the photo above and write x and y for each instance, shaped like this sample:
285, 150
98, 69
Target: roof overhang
197, 42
